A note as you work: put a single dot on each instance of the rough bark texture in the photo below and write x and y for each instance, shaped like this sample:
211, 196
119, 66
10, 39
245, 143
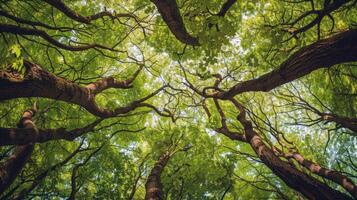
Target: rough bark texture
171, 15
153, 186
332, 175
337, 49
40, 83
297, 180
307, 185
14, 164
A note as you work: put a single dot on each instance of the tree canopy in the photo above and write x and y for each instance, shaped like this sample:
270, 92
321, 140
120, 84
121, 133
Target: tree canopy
178, 99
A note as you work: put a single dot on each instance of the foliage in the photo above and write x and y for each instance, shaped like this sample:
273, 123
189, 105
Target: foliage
252, 38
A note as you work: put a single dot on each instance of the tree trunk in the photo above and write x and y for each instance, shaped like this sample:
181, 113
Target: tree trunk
307, 185
153, 185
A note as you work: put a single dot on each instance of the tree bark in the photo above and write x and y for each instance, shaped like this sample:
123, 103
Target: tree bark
16, 162
225, 7
307, 185
338, 49
332, 175
22, 136
40, 83
346, 122
153, 186
171, 15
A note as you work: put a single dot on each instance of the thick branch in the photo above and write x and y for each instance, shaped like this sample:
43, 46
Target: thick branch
225, 7
346, 122
337, 49
332, 175
307, 185
40, 83
171, 15
21, 136
14, 164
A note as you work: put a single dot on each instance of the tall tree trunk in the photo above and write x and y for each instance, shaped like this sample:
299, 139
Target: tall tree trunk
153, 184
307, 185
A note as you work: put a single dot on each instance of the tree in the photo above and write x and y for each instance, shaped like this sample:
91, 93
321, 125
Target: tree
171, 99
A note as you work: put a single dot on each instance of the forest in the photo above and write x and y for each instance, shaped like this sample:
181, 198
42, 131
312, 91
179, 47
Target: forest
178, 99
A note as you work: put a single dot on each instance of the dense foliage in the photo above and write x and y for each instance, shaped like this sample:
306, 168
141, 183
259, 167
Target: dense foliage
178, 99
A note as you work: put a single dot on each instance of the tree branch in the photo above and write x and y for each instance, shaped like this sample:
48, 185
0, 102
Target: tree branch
325, 53
16, 162
170, 13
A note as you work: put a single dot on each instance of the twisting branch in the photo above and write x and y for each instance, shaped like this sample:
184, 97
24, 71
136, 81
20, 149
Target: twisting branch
325, 53
309, 186
329, 7
332, 175
224, 129
292, 153
32, 23
109, 82
346, 122
323, 116
16, 162
40, 83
